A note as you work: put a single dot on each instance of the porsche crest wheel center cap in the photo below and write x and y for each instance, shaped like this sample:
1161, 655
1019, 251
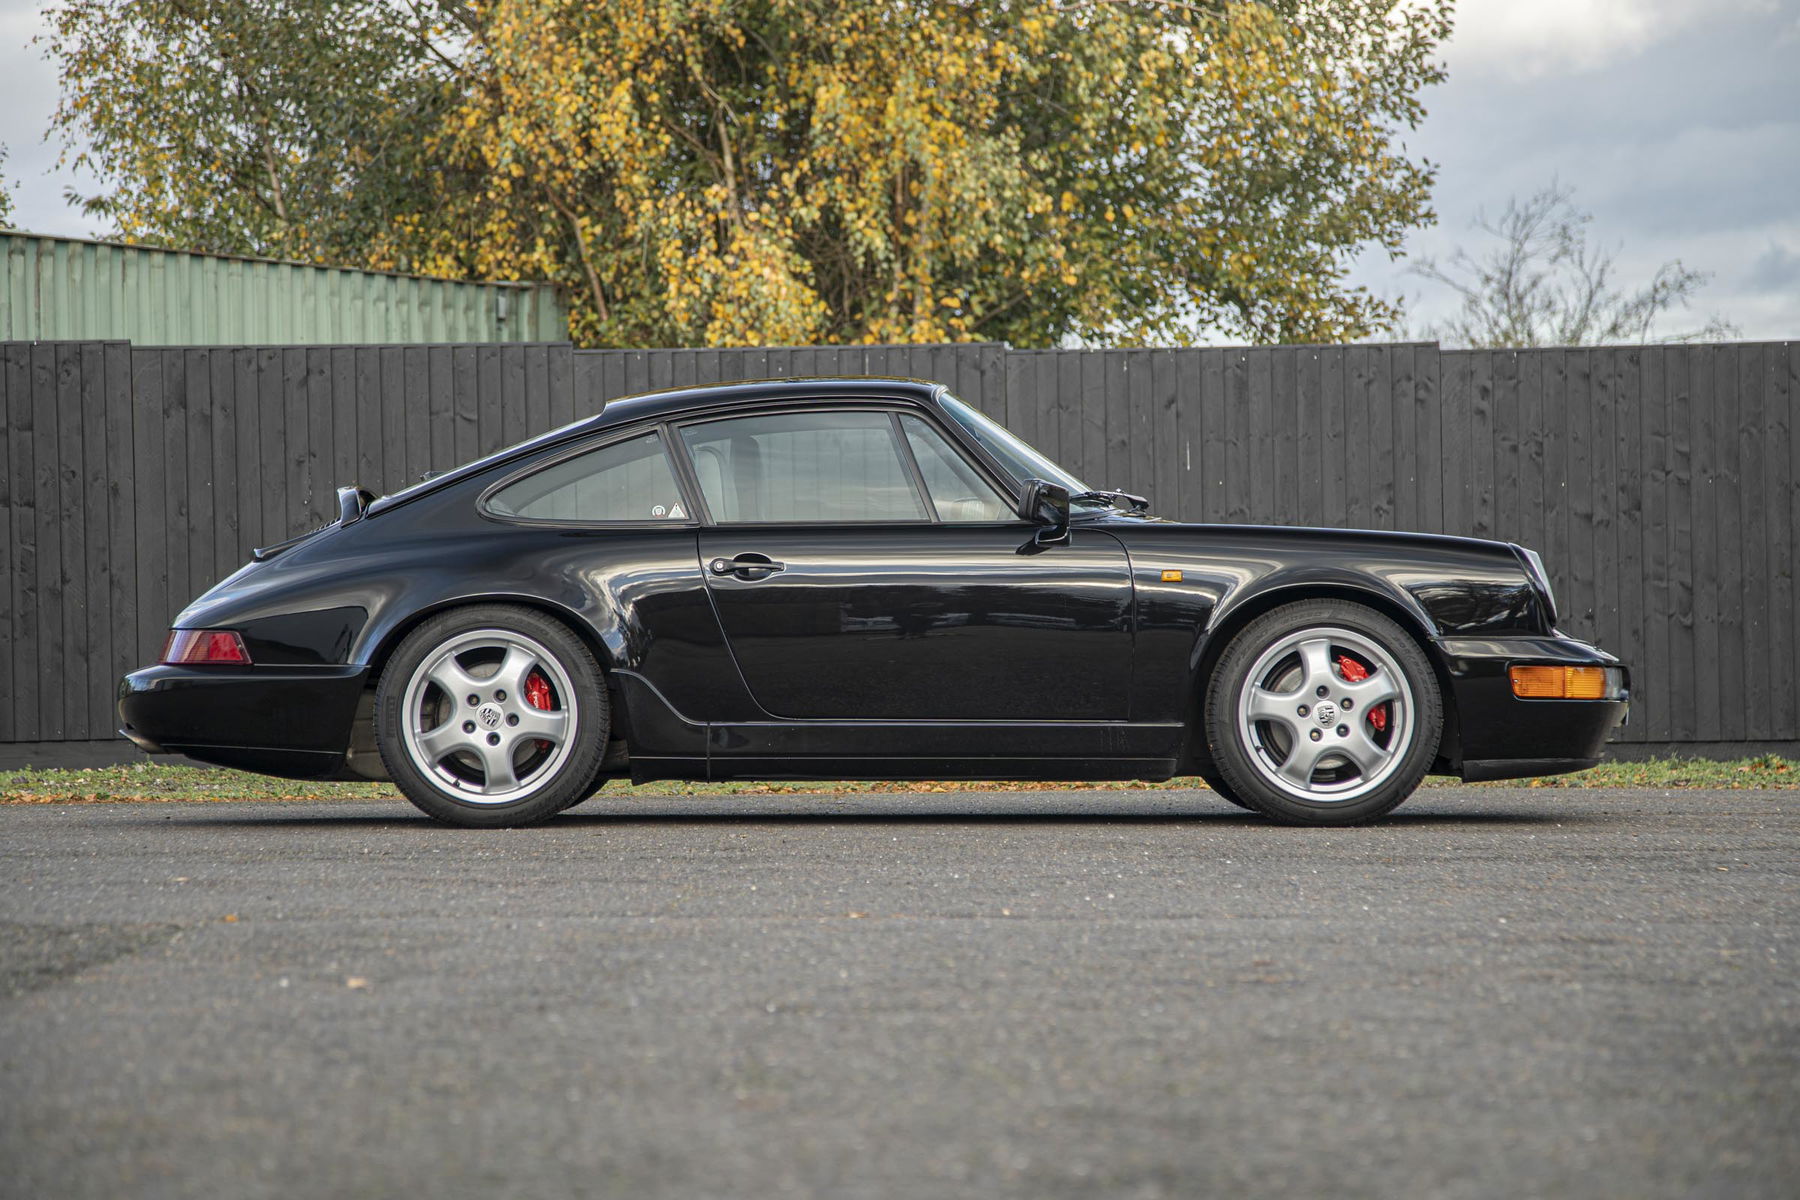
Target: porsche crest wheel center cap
1326, 712
489, 716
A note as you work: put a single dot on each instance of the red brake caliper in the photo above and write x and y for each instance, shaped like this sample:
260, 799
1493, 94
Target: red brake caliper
537, 694
1354, 672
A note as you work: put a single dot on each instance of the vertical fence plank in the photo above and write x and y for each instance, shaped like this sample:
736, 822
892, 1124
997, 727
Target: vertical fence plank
9, 613
227, 460
1404, 457
1752, 530
1334, 481
415, 408
1704, 383
201, 487
1610, 368
1509, 500
1459, 486
1778, 486
1428, 418
1215, 425
345, 436
320, 504
1684, 631
1286, 369
1481, 442
1581, 506
366, 398
537, 389
27, 629
121, 515
465, 408
1115, 400
1190, 427
1650, 672
1236, 406
1531, 519
297, 444
1259, 400
1307, 423
151, 507
385, 411
488, 434
96, 563
47, 537
1138, 470
177, 515
69, 692
1360, 440
1554, 384
1729, 594
1627, 577
560, 365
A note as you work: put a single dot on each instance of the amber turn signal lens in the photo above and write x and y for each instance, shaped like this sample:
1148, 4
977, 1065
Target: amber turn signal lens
1559, 683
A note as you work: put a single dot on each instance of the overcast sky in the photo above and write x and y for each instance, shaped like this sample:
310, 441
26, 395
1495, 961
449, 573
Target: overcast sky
1677, 122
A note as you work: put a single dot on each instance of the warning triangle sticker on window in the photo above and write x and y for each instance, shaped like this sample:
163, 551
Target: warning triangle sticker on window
676, 514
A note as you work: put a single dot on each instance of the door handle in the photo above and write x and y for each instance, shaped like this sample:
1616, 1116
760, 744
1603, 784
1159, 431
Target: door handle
747, 566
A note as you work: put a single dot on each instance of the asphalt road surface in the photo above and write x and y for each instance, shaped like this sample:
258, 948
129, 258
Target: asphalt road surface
1496, 993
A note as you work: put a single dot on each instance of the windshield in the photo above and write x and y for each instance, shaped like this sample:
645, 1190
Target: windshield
1019, 460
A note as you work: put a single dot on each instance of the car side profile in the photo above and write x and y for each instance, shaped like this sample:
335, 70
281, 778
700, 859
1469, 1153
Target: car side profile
858, 579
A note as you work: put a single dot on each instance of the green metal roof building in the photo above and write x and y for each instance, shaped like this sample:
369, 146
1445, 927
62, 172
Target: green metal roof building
58, 288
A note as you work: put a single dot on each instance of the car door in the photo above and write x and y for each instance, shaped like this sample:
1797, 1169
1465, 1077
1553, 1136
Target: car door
862, 568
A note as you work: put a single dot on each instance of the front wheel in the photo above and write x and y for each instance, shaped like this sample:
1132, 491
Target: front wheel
1323, 712
492, 716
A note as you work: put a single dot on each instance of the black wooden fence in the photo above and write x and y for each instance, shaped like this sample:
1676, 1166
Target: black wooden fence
1659, 482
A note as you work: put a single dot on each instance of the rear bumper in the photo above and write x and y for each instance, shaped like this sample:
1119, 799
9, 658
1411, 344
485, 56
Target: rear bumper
1504, 737
292, 721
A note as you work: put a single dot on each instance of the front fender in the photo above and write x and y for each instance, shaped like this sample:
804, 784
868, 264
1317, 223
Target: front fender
1196, 586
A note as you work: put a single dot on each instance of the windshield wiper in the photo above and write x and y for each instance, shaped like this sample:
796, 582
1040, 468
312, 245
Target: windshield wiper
1135, 503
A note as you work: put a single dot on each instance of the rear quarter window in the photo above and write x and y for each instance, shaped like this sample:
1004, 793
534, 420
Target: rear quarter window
625, 481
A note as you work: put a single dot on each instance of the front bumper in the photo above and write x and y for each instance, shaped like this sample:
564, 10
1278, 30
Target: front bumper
1504, 737
291, 721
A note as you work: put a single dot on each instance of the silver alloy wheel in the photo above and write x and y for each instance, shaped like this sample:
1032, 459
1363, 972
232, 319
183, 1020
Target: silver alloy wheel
1306, 728
469, 725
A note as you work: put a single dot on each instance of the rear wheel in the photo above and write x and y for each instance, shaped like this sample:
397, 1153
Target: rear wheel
1323, 712
491, 716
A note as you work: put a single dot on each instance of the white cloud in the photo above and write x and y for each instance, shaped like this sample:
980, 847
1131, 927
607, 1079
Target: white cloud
1529, 39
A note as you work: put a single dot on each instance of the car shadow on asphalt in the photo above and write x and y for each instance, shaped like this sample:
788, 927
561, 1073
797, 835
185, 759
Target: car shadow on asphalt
948, 816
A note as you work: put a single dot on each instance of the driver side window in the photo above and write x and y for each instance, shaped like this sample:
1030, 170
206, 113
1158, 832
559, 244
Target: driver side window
807, 466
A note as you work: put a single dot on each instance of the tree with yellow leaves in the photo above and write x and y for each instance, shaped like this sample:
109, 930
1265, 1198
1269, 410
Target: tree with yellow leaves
732, 172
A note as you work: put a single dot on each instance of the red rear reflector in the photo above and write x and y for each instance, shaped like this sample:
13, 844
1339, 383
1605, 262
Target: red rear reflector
188, 646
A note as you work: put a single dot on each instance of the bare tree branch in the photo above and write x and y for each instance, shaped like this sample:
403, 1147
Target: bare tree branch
1543, 284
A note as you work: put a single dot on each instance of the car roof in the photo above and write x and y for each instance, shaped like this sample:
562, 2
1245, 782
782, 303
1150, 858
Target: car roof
676, 402
669, 403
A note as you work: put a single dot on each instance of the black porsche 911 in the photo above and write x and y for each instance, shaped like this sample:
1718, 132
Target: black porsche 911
858, 579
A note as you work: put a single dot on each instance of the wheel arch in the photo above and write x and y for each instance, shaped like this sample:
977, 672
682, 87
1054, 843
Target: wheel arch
1236, 617
383, 649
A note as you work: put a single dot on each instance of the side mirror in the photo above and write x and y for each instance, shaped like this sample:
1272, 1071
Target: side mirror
1046, 505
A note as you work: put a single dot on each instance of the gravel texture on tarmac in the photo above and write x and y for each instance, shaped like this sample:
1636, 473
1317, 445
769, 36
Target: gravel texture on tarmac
1131, 994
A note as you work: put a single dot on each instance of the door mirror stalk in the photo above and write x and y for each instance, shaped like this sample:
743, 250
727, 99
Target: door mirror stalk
1045, 505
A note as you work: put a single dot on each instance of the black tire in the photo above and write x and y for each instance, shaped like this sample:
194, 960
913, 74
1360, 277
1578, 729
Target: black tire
478, 764
1305, 759
1217, 783
587, 793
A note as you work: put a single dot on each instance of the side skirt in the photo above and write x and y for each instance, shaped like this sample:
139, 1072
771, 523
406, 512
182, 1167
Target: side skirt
995, 769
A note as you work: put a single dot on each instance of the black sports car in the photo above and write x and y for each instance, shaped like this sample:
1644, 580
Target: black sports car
858, 578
